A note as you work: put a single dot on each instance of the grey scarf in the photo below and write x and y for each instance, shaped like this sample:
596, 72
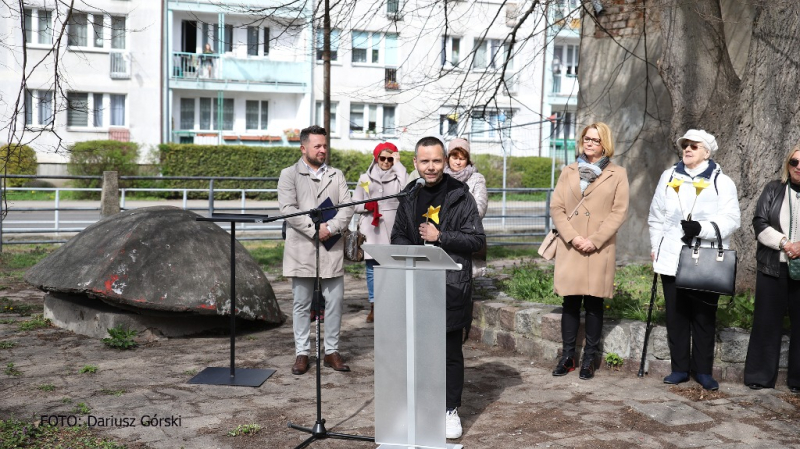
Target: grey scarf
461, 175
589, 172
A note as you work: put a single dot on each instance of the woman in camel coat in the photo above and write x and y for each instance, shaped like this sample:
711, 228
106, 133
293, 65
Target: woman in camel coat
586, 251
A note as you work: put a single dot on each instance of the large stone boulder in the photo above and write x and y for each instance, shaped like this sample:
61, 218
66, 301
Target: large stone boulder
158, 259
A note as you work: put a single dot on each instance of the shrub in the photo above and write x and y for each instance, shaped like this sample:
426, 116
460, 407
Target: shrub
17, 160
93, 157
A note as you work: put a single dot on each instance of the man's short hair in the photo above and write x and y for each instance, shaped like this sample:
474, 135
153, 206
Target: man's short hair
313, 129
429, 142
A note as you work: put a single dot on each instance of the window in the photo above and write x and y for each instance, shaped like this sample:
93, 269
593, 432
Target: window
97, 108
320, 118
266, 41
491, 54
564, 126
45, 30
252, 41
256, 114
334, 44
97, 28
448, 124
187, 113
28, 24
117, 110
77, 109
118, 33
38, 23
77, 30
209, 111
38, 107
451, 50
487, 125
372, 118
374, 48
565, 60
227, 38
392, 7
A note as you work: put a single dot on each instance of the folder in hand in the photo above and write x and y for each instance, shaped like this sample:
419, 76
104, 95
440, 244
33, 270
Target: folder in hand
327, 215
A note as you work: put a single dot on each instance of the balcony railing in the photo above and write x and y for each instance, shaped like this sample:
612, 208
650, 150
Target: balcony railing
215, 67
120, 64
390, 78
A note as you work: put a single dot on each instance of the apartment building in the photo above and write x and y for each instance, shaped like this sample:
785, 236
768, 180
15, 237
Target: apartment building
561, 79
91, 74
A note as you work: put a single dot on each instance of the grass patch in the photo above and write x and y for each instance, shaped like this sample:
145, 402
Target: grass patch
246, 429
495, 252
190, 372
88, 369
36, 322
355, 269
7, 344
46, 387
120, 338
9, 306
11, 370
269, 255
15, 433
7, 321
116, 393
632, 286
82, 408
24, 256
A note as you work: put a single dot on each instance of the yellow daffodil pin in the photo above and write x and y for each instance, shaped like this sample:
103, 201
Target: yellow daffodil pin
675, 184
433, 214
364, 185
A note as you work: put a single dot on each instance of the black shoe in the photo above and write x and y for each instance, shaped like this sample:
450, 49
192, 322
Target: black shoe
755, 386
795, 390
587, 368
565, 365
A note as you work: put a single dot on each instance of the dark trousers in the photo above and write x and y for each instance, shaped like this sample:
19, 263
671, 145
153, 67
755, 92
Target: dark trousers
691, 327
571, 321
774, 295
455, 368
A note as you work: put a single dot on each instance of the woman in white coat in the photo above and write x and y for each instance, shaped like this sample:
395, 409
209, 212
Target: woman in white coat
385, 176
460, 166
689, 197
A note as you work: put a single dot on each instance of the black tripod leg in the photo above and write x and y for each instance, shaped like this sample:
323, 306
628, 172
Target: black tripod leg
307, 442
344, 436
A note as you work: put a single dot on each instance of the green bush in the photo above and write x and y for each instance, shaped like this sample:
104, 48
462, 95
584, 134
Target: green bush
17, 160
93, 157
534, 171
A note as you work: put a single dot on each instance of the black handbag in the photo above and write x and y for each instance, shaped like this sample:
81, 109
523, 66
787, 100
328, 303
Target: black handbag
711, 270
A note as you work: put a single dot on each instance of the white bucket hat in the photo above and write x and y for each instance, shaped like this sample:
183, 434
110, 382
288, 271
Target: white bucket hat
699, 135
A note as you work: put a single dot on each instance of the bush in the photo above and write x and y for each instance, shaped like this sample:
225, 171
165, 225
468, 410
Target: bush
93, 157
17, 160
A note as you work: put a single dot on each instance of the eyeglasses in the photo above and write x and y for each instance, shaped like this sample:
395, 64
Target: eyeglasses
386, 158
589, 139
694, 146
793, 162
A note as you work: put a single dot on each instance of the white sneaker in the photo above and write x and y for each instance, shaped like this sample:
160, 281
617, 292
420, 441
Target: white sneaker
452, 425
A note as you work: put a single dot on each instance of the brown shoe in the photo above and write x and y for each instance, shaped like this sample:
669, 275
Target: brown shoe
334, 360
300, 365
371, 316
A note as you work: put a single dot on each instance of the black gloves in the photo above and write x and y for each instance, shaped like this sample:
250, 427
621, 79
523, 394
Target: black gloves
691, 229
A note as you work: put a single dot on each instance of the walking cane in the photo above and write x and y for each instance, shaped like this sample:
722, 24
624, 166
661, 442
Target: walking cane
648, 328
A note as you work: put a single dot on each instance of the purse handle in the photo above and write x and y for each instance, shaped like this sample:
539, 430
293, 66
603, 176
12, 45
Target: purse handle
719, 241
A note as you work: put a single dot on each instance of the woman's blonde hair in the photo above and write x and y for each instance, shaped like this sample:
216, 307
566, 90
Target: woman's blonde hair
785, 167
605, 138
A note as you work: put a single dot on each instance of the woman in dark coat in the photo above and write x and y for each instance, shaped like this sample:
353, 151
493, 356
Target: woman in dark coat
776, 222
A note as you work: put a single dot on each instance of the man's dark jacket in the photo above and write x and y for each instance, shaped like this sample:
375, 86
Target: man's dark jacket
461, 235
768, 213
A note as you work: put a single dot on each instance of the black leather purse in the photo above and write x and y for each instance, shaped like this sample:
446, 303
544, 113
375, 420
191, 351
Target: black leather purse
711, 270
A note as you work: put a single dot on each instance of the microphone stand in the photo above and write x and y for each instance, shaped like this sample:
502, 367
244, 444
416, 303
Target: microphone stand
318, 431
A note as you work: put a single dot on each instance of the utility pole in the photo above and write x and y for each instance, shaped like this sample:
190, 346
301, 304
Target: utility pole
326, 76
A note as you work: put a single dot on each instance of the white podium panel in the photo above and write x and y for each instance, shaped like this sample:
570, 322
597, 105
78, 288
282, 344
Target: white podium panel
410, 330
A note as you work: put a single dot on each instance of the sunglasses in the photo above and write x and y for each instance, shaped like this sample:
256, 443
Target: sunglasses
693, 146
386, 158
793, 162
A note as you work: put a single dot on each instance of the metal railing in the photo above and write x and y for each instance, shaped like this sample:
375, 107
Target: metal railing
522, 219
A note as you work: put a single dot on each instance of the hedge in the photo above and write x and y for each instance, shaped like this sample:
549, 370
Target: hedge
93, 157
17, 160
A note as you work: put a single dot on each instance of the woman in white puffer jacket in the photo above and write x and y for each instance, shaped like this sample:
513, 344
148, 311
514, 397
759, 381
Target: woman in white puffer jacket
679, 215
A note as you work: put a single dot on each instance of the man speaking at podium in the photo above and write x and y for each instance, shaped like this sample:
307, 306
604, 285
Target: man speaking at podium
443, 213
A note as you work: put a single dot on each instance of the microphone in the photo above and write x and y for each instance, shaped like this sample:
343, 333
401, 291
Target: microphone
417, 185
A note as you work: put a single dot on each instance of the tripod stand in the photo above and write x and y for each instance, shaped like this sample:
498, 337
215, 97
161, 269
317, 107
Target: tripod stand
318, 430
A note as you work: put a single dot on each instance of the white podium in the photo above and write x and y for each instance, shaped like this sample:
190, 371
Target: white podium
410, 330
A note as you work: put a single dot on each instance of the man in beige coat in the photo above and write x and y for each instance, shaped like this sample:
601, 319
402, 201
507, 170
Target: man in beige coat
301, 187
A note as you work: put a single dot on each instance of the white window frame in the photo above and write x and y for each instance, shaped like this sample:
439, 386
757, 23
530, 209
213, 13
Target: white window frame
565, 120
449, 56
334, 131
35, 30
447, 126
482, 129
193, 102
336, 38
104, 110
380, 130
34, 99
375, 45
494, 51
262, 123
106, 42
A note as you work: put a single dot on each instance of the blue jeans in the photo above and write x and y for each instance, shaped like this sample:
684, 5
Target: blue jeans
371, 278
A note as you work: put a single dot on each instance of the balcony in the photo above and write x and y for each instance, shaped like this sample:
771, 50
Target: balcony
390, 78
214, 71
120, 65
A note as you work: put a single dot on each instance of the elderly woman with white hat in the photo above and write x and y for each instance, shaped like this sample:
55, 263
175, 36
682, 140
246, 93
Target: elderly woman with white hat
460, 166
689, 197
